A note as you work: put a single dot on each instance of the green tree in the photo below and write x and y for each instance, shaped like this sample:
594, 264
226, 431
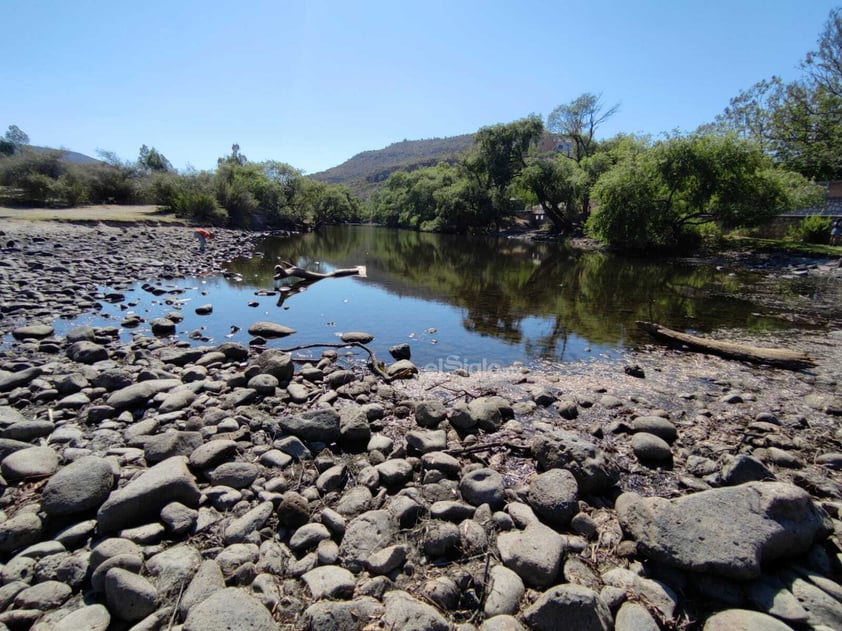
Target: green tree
579, 120
557, 183
655, 199
750, 114
17, 137
152, 160
824, 66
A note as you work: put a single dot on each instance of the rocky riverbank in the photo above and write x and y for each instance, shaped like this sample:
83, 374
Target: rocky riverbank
153, 485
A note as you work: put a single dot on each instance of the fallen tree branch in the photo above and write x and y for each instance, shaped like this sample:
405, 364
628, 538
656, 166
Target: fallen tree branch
505, 444
781, 357
375, 364
288, 269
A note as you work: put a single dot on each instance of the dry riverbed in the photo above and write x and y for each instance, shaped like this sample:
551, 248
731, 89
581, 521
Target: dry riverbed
151, 485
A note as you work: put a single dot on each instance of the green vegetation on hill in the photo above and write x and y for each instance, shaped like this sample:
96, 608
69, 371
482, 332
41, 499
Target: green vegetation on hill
238, 193
366, 171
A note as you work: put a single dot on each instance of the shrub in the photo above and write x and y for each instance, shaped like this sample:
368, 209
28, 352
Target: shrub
200, 207
812, 229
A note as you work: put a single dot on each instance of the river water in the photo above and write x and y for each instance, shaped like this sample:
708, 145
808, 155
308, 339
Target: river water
458, 301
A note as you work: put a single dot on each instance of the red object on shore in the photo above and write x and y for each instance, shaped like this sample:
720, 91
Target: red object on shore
207, 234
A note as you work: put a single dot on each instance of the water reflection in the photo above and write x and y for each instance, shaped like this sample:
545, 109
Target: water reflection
539, 299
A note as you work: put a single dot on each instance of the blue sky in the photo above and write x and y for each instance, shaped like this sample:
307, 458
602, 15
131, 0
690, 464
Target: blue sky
314, 82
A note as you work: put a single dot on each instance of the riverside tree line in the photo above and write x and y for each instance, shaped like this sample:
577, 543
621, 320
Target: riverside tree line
762, 156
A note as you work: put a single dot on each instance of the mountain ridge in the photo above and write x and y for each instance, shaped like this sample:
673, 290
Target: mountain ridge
364, 172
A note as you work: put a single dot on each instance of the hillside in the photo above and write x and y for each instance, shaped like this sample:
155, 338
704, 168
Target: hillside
366, 171
67, 156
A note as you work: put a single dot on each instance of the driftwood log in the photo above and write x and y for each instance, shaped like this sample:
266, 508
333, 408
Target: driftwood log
781, 357
288, 270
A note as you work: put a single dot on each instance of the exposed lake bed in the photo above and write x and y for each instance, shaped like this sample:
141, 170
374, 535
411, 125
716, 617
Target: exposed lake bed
721, 422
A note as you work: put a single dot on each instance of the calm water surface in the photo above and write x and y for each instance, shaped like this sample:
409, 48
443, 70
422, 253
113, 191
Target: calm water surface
458, 301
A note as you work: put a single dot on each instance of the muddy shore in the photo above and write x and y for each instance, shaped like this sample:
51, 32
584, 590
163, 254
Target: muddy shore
322, 496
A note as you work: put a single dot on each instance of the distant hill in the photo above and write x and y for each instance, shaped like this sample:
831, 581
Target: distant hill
366, 171
67, 156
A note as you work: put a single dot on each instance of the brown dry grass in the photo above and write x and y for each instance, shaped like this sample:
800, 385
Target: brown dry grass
110, 213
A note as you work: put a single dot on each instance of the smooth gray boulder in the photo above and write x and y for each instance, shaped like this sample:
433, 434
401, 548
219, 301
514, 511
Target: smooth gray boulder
534, 553
174, 567
33, 462
171, 443
139, 394
430, 413
341, 615
86, 352
44, 595
270, 330
410, 614
651, 449
90, 618
634, 617
128, 595
593, 470
277, 363
657, 425
365, 534
213, 453
22, 529
142, 499
505, 589
573, 607
743, 620
315, 425
482, 486
229, 608
82, 485
239, 529
554, 496
329, 581
729, 531
207, 580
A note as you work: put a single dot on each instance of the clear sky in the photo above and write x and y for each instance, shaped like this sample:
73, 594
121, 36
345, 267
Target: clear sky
314, 82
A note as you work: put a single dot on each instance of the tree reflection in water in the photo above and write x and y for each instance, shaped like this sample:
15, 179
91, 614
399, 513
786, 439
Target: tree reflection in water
522, 292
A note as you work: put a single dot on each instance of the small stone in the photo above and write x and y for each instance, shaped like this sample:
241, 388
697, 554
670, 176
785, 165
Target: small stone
130, 596
651, 449
482, 486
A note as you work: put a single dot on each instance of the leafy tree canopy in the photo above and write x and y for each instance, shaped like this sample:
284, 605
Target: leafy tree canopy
656, 198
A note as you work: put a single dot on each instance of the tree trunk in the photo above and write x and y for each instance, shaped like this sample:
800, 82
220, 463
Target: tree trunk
729, 350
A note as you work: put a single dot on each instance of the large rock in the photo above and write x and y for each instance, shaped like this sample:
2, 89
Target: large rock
82, 485
230, 608
483, 486
87, 352
561, 449
142, 499
410, 614
277, 363
139, 394
534, 553
316, 425
554, 496
744, 620
569, 607
731, 531
90, 618
33, 462
32, 331
505, 589
270, 330
130, 596
365, 534
332, 615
